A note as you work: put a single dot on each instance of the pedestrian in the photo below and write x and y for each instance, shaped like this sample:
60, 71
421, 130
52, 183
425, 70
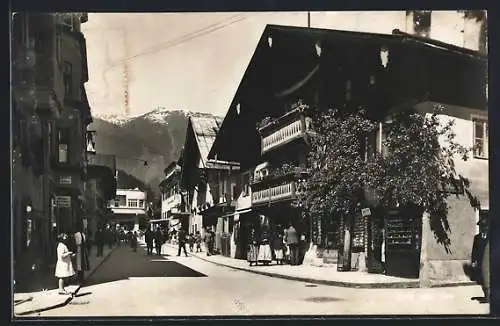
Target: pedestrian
198, 241
382, 252
480, 259
253, 248
64, 266
191, 241
149, 237
292, 242
211, 241
99, 241
133, 241
278, 247
81, 257
158, 238
181, 235
265, 255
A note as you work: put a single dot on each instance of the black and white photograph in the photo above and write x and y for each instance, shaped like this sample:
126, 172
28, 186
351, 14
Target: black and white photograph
272, 163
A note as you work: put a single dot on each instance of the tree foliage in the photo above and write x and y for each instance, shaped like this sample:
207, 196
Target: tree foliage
418, 159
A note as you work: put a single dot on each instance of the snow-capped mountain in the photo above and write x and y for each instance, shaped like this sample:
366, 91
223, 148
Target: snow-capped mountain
156, 137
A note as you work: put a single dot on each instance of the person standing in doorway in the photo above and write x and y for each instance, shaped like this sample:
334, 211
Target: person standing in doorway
64, 265
181, 238
292, 241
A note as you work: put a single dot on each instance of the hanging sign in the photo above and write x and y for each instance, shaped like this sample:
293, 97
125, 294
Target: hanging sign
366, 212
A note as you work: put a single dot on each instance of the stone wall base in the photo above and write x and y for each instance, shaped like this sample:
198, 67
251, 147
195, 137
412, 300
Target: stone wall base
435, 272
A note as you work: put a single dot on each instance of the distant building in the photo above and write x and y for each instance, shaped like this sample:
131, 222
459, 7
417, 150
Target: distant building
128, 207
173, 204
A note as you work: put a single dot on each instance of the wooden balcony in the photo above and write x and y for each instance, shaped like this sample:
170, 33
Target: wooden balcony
293, 125
275, 193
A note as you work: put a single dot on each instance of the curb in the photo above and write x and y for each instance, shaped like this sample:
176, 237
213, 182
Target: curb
391, 285
70, 298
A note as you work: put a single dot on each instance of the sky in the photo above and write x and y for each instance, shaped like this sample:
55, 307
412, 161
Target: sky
195, 61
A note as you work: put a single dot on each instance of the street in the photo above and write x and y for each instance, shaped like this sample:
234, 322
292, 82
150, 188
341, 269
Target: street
134, 284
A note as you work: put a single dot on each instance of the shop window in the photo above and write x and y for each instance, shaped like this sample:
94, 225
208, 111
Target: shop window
67, 78
141, 203
422, 22
66, 20
480, 138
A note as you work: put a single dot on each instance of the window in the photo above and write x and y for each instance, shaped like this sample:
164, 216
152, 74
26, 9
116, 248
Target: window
141, 203
63, 147
66, 20
120, 200
132, 203
67, 78
480, 138
422, 22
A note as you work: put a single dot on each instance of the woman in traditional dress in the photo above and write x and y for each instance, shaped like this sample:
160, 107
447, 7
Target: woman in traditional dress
278, 246
253, 248
64, 266
265, 254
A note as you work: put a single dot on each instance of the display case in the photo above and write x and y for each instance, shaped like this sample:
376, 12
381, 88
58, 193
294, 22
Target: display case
359, 234
402, 252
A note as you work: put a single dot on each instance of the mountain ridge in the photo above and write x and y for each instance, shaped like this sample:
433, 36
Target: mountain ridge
155, 137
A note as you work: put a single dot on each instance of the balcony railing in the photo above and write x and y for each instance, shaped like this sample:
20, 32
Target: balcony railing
289, 132
274, 193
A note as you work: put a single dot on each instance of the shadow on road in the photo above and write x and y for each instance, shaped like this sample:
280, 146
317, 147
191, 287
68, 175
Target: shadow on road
125, 263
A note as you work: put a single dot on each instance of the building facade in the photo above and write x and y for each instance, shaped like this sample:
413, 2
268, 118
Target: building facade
348, 70
173, 203
128, 208
50, 113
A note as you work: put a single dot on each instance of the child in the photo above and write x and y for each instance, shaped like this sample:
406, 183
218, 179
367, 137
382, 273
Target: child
198, 241
64, 266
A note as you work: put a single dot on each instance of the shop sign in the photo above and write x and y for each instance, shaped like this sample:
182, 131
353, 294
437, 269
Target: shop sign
63, 201
366, 212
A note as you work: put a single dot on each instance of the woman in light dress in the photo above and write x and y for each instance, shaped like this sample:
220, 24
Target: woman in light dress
64, 266
265, 255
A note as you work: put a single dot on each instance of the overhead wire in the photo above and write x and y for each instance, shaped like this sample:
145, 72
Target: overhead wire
180, 40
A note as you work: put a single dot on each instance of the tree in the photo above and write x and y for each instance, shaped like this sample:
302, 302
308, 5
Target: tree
341, 169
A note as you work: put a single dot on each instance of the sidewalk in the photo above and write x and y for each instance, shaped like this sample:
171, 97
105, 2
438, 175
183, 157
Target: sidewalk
33, 302
316, 275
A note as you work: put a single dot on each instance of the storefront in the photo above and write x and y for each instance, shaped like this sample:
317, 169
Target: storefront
386, 240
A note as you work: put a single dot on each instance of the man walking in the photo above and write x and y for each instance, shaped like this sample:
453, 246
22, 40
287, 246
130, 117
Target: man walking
148, 238
292, 241
99, 241
181, 238
158, 237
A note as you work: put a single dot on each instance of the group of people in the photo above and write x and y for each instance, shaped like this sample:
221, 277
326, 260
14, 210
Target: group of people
155, 239
283, 245
72, 258
191, 239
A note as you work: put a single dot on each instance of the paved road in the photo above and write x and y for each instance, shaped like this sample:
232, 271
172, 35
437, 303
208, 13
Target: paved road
134, 284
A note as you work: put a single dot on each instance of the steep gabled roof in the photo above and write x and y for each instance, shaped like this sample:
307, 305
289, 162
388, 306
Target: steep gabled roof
205, 130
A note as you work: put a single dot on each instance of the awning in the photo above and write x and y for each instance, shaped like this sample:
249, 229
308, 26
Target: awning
243, 211
157, 221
